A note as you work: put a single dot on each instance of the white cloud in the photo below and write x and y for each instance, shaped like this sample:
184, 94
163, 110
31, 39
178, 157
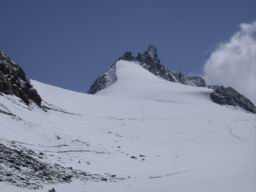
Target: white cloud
233, 63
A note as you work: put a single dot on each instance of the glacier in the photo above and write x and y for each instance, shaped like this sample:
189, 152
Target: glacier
153, 134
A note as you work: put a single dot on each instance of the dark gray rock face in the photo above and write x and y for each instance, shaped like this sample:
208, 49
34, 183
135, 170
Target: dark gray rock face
14, 81
178, 77
150, 61
195, 81
229, 96
127, 56
104, 80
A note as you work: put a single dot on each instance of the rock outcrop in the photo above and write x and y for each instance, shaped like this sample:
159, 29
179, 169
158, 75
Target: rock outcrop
150, 61
229, 96
13, 81
104, 80
195, 81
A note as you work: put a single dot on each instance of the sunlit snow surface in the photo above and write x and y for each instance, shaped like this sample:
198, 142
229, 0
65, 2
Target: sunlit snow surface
164, 136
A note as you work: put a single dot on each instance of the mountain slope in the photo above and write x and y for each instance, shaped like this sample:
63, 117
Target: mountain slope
149, 60
133, 81
141, 133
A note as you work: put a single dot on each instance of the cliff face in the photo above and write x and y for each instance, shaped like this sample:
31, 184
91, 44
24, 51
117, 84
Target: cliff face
13, 81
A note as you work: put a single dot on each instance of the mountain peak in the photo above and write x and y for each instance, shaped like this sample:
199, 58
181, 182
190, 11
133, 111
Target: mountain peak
150, 61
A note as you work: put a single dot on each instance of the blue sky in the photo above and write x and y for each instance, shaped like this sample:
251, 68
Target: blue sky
68, 43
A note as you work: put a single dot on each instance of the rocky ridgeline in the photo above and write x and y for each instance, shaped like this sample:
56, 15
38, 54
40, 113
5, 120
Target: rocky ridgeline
13, 81
229, 96
150, 61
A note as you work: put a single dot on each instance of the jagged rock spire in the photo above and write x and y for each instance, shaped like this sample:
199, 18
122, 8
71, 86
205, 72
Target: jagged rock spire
151, 55
152, 51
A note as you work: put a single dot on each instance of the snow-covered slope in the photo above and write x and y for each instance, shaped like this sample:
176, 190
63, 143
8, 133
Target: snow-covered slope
152, 134
134, 82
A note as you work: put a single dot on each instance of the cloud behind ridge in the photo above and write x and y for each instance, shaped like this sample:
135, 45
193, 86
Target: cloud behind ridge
233, 63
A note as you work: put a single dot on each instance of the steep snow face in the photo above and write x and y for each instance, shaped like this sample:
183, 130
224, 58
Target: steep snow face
156, 135
134, 82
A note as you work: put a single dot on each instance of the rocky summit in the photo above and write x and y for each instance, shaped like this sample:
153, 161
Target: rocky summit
13, 81
150, 61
